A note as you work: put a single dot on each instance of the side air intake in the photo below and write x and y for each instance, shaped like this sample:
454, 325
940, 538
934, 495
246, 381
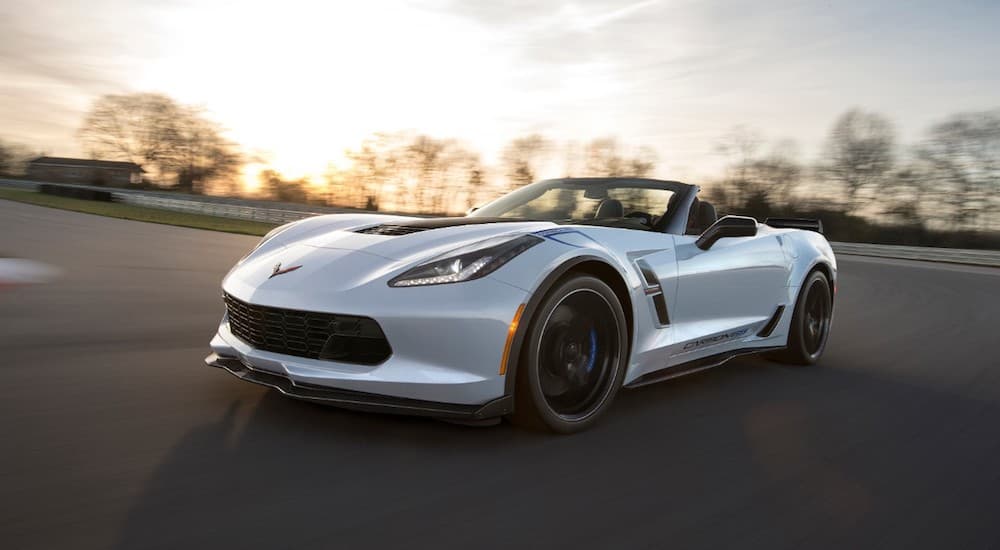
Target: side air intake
771, 323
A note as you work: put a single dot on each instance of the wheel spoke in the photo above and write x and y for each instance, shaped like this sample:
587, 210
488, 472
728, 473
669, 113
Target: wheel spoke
578, 350
816, 321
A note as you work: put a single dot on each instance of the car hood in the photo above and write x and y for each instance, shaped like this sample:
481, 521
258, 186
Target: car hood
343, 254
412, 239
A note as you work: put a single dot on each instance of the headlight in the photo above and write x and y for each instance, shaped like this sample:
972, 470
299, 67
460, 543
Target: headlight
467, 263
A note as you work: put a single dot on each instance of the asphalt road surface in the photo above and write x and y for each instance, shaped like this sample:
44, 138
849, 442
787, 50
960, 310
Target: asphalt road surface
115, 435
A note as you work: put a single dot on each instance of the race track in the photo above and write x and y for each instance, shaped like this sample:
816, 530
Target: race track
115, 434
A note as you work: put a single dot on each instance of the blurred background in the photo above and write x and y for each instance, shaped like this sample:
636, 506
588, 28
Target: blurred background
881, 118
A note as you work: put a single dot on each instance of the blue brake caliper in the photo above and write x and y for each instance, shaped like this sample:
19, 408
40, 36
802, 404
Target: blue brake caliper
593, 350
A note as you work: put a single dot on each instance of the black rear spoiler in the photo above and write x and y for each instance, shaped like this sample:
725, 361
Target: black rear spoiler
796, 223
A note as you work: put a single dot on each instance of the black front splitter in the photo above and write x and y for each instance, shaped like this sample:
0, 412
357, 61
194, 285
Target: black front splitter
362, 401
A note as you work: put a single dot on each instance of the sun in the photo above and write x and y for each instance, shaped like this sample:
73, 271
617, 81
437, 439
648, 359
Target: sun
323, 77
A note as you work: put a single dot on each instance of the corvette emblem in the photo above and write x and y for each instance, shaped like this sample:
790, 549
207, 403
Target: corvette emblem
278, 271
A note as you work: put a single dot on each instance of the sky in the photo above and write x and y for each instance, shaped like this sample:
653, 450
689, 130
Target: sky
297, 81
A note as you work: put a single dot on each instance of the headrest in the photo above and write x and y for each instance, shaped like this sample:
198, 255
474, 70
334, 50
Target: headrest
610, 208
701, 217
706, 215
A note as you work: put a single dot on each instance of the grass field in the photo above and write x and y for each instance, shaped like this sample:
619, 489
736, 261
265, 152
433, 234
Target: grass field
139, 213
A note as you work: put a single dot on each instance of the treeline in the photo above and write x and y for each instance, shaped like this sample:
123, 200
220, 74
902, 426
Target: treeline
943, 189
409, 172
177, 145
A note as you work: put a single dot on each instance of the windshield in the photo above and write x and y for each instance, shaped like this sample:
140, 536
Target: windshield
637, 204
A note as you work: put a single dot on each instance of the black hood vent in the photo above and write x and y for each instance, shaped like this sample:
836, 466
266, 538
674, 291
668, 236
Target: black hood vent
414, 226
388, 229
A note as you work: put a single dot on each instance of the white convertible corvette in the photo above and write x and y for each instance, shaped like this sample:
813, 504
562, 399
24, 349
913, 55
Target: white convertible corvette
539, 306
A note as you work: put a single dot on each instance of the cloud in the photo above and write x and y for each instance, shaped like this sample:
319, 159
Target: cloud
57, 55
591, 22
675, 74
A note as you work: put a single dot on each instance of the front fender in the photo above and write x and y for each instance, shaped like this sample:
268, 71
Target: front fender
538, 270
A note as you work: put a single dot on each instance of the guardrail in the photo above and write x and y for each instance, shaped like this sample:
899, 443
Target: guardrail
927, 254
19, 184
253, 210
268, 215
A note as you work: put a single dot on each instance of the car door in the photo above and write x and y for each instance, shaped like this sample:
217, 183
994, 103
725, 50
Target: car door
724, 292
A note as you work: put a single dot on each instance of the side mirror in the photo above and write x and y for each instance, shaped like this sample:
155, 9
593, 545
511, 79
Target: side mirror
727, 226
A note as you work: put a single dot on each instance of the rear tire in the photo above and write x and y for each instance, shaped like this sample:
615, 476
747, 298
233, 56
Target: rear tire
574, 358
811, 322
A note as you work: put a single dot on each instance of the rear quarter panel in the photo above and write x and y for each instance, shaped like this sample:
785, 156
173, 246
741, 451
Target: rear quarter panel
806, 250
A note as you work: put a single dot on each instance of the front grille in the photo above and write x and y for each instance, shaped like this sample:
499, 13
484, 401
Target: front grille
394, 230
334, 337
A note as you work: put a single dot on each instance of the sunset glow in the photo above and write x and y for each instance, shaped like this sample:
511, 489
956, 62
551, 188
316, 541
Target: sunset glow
298, 82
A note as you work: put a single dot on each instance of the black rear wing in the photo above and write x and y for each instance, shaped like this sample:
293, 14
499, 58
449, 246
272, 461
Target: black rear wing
796, 223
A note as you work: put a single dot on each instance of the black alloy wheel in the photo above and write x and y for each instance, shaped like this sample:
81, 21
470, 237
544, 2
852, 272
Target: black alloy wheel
811, 320
574, 358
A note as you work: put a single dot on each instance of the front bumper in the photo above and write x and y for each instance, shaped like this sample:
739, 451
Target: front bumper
361, 401
445, 342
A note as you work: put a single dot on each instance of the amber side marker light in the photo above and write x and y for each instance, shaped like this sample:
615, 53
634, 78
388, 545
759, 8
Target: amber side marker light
510, 339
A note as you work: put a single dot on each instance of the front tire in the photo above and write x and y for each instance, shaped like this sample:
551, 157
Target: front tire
574, 359
811, 322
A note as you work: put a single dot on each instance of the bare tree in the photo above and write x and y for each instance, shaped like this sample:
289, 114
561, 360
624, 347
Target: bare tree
642, 164
475, 183
903, 194
373, 165
521, 156
604, 158
859, 152
462, 174
963, 159
740, 148
426, 156
141, 128
176, 143
281, 189
776, 175
439, 168
13, 159
415, 172
201, 155
6, 160
755, 182
573, 159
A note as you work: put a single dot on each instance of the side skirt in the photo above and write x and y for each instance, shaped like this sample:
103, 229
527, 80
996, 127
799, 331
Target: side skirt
696, 365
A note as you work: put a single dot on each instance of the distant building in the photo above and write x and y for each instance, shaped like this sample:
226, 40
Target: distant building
85, 171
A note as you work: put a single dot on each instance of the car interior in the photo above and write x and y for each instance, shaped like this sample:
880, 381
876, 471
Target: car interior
612, 212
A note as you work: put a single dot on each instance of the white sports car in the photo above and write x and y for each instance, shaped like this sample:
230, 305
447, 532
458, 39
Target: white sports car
539, 306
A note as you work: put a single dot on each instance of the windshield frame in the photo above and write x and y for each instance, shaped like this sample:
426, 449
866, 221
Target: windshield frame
684, 195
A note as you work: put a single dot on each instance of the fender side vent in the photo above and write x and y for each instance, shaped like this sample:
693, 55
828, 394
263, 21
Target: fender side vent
661, 309
648, 274
771, 323
393, 230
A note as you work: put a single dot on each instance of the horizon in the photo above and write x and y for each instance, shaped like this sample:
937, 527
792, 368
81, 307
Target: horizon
672, 76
